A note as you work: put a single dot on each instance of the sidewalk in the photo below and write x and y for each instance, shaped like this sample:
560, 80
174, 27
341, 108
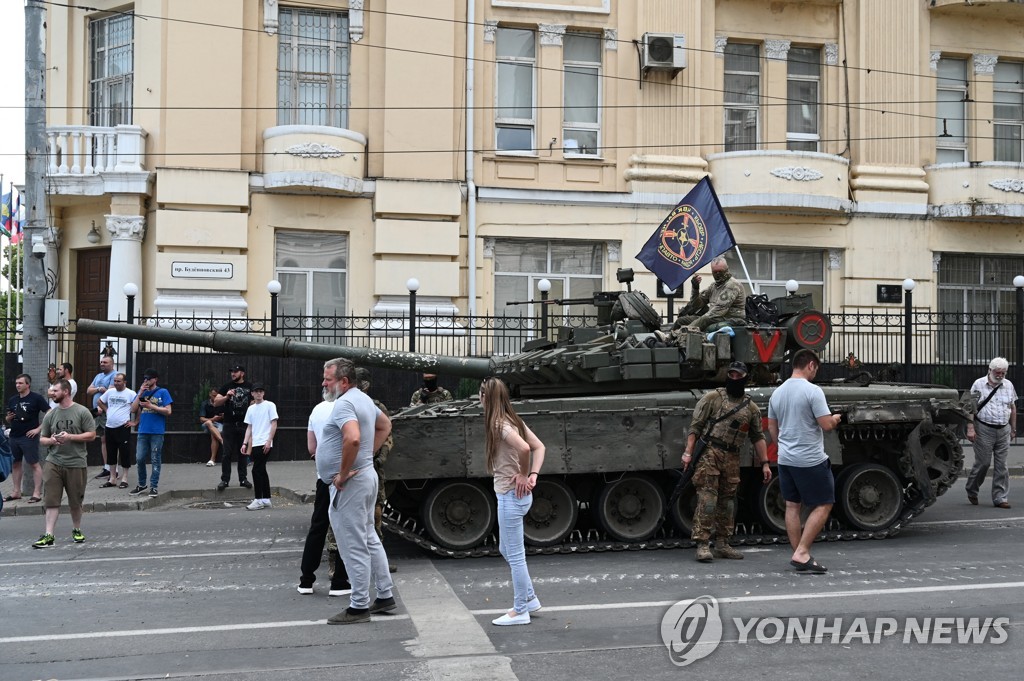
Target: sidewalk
293, 481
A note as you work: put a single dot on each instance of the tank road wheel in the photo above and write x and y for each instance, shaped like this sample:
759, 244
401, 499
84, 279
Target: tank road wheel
459, 514
682, 511
630, 508
771, 507
943, 457
870, 497
553, 514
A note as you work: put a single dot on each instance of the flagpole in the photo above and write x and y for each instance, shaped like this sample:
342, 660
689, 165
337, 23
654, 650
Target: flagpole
744, 266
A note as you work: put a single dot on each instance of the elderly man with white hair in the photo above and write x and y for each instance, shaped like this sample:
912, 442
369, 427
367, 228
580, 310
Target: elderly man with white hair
995, 423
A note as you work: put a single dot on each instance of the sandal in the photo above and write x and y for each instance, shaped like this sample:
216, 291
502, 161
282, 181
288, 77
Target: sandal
123, 485
34, 500
812, 566
108, 484
11, 497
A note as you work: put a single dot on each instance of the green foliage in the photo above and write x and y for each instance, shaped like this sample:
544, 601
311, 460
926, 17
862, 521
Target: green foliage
943, 376
204, 393
12, 254
468, 387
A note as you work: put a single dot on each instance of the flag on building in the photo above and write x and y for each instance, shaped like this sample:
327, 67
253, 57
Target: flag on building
6, 213
691, 236
16, 223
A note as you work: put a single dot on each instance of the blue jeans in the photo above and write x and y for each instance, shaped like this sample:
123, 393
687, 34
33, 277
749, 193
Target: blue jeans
149, 447
510, 544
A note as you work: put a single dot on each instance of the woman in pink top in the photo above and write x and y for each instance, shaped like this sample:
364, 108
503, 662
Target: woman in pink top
514, 457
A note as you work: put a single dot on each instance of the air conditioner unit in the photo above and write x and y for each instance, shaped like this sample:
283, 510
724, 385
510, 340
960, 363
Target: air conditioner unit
664, 51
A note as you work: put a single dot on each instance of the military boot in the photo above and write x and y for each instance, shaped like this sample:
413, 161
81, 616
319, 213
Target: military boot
723, 550
704, 552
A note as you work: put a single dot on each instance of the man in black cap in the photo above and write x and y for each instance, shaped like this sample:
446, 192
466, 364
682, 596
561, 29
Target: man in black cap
235, 398
723, 418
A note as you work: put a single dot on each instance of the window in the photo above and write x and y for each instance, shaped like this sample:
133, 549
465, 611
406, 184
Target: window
771, 268
973, 289
742, 93
111, 41
951, 111
312, 268
574, 268
514, 121
1009, 111
581, 124
312, 68
803, 92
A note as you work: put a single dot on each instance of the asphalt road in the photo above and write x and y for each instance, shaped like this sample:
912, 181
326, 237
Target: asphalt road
210, 594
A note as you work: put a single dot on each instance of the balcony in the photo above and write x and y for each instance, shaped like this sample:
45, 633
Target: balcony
991, 191
314, 158
84, 160
785, 181
990, 9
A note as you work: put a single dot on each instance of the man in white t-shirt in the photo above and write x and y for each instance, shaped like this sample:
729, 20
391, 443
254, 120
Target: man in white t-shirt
116, 404
993, 427
261, 426
65, 371
797, 416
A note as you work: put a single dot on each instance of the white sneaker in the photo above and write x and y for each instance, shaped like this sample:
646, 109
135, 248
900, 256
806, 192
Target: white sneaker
339, 592
266, 503
505, 620
209, 464
304, 590
255, 505
534, 605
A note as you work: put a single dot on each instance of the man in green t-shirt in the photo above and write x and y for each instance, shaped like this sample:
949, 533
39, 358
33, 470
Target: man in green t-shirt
65, 432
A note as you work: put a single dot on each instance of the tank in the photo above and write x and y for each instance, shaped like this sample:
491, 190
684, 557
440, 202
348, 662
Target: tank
612, 405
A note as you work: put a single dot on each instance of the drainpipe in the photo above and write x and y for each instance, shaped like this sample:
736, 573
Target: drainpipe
470, 184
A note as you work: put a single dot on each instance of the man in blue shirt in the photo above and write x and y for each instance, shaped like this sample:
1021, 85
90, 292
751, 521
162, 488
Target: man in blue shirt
104, 379
154, 403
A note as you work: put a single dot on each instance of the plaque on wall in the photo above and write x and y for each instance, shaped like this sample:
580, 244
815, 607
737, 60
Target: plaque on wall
202, 270
890, 293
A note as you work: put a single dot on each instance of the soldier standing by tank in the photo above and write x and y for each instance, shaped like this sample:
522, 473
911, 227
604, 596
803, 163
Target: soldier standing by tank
430, 393
995, 424
731, 417
721, 304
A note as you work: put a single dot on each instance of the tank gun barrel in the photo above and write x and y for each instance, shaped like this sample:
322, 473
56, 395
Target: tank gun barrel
599, 299
273, 346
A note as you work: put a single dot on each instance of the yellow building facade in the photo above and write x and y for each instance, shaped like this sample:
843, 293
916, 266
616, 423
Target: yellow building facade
201, 149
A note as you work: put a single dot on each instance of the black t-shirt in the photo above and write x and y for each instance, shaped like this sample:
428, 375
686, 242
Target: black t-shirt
26, 412
238, 404
207, 409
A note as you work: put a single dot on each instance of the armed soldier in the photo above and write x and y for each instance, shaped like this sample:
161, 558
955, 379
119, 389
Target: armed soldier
721, 304
722, 419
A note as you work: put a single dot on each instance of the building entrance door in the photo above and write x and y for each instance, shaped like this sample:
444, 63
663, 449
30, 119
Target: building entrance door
91, 293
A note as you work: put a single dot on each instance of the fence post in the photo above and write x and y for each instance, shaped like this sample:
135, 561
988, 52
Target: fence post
273, 288
130, 291
908, 326
544, 285
1018, 327
413, 285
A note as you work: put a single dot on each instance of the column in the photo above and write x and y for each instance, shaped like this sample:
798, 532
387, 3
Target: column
126, 235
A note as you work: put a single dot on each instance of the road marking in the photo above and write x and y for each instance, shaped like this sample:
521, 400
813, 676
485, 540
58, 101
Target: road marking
776, 597
980, 521
185, 630
122, 559
447, 632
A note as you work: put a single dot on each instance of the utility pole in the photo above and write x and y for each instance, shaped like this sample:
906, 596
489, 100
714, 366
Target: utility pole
34, 341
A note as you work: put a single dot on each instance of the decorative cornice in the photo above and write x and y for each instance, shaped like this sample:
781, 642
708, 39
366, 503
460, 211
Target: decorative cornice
127, 227
933, 60
936, 259
720, 42
985, 64
831, 54
1010, 184
490, 28
551, 34
314, 150
611, 39
798, 173
270, 16
355, 20
835, 258
776, 48
614, 251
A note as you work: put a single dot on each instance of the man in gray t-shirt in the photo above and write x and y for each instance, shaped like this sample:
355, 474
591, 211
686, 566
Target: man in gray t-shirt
355, 430
797, 418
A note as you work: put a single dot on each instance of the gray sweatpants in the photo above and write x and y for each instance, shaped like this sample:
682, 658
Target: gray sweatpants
990, 445
351, 514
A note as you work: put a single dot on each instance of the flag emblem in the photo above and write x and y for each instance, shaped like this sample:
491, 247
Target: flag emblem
684, 237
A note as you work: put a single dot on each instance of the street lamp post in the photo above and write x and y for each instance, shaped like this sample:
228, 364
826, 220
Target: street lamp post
274, 288
544, 286
670, 296
130, 291
908, 325
792, 286
1018, 283
413, 285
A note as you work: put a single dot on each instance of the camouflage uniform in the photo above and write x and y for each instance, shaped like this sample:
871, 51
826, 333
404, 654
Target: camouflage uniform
718, 471
380, 457
422, 396
716, 306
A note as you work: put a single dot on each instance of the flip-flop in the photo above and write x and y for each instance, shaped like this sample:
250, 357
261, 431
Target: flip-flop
34, 500
108, 484
123, 485
811, 566
11, 497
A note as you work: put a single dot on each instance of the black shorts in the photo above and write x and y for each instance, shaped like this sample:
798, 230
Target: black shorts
810, 486
26, 448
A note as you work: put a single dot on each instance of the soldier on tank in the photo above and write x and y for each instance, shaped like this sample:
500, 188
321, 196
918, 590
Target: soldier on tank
721, 304
430, 393
732, 417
